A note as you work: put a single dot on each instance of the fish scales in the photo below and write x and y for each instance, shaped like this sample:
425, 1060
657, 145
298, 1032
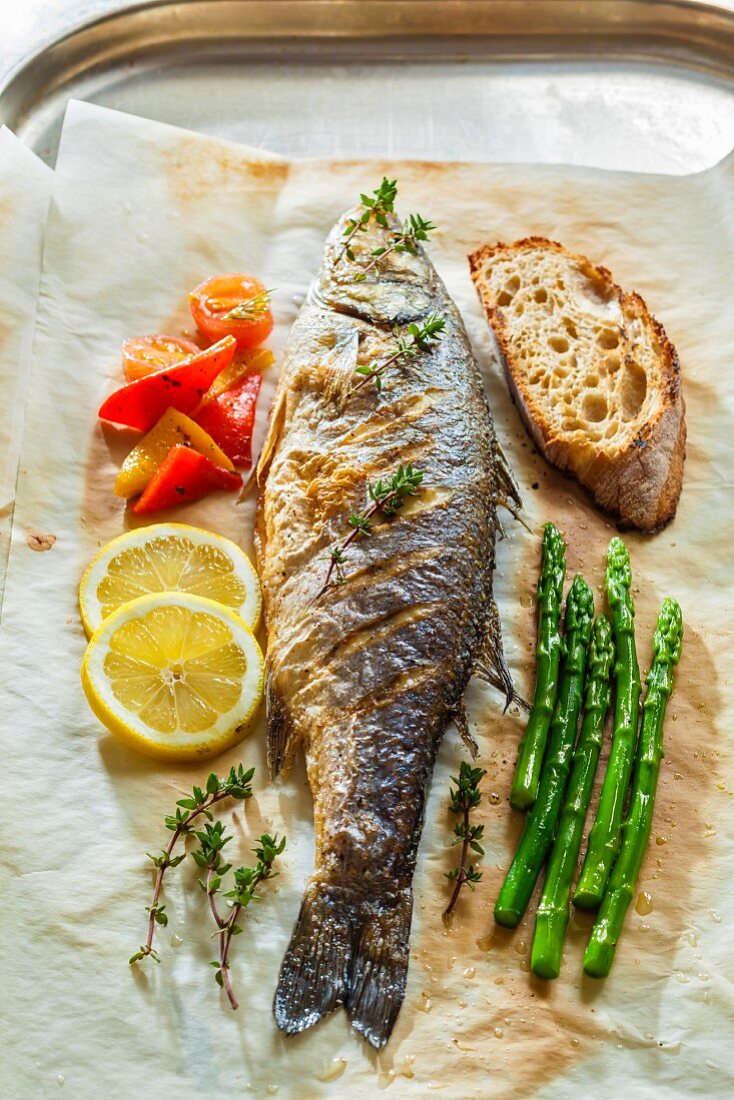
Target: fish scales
365, 676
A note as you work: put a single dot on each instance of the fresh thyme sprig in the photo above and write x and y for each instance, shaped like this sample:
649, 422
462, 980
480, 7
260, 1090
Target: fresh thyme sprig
247, 309
465, 797
408, 344
236, 785
415, 229
387, 497
212, 839
377, 205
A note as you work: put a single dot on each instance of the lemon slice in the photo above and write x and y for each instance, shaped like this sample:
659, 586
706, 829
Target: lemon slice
174, 675
168, 557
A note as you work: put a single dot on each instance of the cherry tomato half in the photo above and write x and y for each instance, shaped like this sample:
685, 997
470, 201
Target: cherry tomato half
232, 305
144, 354
141, 404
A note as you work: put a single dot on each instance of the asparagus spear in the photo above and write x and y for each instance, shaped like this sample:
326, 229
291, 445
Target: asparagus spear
540, 824
605, 834
666, 646
548, 653
553, 908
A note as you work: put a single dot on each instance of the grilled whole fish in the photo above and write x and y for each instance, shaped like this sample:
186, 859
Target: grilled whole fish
366, 675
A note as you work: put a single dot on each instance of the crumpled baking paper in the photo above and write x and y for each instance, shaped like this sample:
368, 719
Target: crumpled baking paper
25, 188
140, 214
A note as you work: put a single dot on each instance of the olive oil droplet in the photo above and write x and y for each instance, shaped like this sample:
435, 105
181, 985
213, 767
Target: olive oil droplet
335, 1069
644, 904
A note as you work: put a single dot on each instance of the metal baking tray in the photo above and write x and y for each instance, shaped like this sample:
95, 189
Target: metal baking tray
643, 85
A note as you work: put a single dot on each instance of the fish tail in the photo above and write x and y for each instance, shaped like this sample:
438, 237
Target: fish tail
314, 974
346, 949
379, 969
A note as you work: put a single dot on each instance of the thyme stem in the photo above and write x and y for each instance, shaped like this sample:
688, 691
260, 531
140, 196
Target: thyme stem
377, 205
224, 943
248, 308
415, 229
408, 343
387, 497
465, 797
461, 877
225, 940
377, 373
210, 893
167, 862
347, 542
213, 839
376, 259
224, 926
235, 785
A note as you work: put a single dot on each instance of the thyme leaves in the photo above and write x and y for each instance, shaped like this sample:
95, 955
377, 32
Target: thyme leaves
385, 496
415, 229
376, 206
212, 838
408, 343
465, 797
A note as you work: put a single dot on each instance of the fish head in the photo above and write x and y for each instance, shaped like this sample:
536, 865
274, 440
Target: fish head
391, 288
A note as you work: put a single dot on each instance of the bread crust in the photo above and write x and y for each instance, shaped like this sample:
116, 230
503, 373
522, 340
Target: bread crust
640, 481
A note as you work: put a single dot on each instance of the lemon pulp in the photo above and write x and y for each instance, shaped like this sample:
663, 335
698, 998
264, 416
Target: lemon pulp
177, 669
169, 558
174, 674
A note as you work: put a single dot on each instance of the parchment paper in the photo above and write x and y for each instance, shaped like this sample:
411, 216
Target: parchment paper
25, 187
140, 214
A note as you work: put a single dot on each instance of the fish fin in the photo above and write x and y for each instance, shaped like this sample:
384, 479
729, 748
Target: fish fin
508, 485
346, 949
491, 666
281, 737
249, 483
275, 427
503, 502
462, 724
314, 974
339, 367
379, 970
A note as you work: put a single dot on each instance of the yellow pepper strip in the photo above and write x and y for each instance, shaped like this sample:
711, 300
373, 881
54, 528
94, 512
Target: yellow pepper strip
173, 428
244, 362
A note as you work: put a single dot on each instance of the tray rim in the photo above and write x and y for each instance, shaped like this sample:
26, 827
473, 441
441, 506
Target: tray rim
667, 30
689, 36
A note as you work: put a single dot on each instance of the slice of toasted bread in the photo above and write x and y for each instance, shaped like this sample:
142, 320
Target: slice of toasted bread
595, 377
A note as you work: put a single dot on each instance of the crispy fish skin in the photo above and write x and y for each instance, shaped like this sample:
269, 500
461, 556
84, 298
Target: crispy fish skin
366, 676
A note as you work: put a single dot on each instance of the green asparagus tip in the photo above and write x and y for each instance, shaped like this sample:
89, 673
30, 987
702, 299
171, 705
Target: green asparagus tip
579, 605
548, 652
601, 650
668, 636
554, 545
617, 553
619, 586
619, 570
553, 570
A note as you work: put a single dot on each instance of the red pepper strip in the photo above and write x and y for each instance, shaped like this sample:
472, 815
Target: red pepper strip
183, 476
142, 403
230, 418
